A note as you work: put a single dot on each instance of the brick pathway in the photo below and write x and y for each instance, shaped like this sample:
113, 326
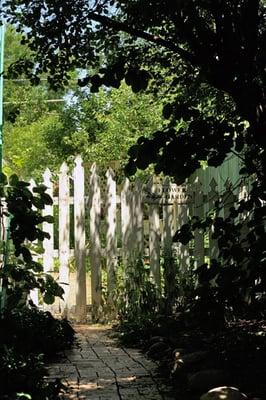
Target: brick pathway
97, 369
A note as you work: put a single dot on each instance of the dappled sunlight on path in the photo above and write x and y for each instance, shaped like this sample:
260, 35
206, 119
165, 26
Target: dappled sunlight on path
97, 369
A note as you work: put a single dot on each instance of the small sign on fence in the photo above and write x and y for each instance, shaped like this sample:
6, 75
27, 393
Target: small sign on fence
166, 194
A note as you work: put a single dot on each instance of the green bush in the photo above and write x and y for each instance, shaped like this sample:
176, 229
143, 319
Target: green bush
31, 330
138, 296
28, 337
20, 373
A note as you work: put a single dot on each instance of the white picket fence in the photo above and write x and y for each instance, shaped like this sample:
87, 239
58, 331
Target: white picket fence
121, 223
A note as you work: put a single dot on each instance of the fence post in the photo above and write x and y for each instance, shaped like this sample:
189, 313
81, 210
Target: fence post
95, 243
63, 205
48, 244
168, 231
213, 196
126, 224
34, 293
183, 211
137, 211
228, 198
111, 243
198, 211
168, 223
79, 230
244, 216
154, 237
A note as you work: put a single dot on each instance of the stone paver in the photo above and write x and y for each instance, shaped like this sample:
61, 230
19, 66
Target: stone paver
97, 369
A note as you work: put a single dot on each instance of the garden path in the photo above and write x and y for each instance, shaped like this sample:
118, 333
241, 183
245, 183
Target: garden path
98, 369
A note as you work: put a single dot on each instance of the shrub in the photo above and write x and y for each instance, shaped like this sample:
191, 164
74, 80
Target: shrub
31, 330
28, 336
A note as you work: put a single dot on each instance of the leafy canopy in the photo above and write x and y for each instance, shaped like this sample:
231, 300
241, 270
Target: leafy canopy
102, 126
220, 41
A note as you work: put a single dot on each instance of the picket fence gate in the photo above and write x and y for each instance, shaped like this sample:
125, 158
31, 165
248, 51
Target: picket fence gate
139, 222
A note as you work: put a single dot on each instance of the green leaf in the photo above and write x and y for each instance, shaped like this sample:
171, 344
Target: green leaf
47, 199
84, 81
44, 235
26, 254
38, 203
3, 179
130, 168
39, 189
13, 180
48, 298
49, 219
37, 267
23, 396
23, 184
167, 111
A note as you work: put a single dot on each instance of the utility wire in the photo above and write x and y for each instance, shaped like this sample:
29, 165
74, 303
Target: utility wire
34, 101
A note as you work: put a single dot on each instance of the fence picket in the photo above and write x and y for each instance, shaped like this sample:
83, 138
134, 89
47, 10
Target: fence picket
34, 294
64, 215
198, 211
183, 250
95, 243
111, 242
154, 237
244, 216
137, 209
79, 230
213, 197
228, 198
168, 224
126, 224
48, 244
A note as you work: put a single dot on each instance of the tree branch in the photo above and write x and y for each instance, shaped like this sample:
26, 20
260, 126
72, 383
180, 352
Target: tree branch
159, 41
